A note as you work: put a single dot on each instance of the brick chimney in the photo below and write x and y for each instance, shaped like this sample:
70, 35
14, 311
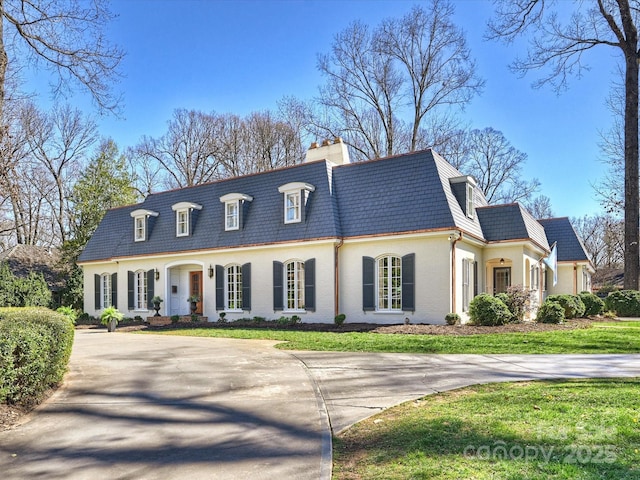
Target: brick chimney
336, 152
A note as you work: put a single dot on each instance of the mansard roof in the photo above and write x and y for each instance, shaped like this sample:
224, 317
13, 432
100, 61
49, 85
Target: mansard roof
570, 247
394, 195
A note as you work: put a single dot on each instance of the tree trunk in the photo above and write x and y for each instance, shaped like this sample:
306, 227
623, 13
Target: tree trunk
631, 196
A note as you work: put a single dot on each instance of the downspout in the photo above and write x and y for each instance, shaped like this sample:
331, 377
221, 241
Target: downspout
336, 275
575, 278
454, 238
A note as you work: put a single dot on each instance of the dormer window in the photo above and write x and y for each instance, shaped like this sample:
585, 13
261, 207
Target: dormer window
463, 189
184, 221
296, 195
233, 208
140, 223
470, 207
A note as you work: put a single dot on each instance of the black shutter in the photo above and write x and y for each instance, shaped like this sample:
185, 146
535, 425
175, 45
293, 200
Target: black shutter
246, 286
368, 284
408, 282
151, 283
475, 279
219, 287
130, 287
96, 291
114, 290
310, 285
278, 300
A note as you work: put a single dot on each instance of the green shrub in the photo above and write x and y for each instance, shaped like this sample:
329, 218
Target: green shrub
452, 318
593, 304
573, 306
339, 319
488, 310
111, 313
35, 346
68, 312
550, 312
175, 318
626, 303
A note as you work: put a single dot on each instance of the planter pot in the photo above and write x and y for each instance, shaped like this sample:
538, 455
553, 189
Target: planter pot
111, 326
156, 307
194, 306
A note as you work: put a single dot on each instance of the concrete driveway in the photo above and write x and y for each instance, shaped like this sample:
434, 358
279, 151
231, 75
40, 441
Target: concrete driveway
161, 407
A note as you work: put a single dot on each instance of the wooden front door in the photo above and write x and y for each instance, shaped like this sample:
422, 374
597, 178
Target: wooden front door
195, 288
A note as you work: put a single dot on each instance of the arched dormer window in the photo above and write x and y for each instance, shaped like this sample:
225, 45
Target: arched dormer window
296, 195
184, 222
141, 223
233, 210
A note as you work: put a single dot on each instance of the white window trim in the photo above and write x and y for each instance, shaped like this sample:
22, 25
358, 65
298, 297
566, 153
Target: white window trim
470, 206
186, 222
390, 309
105, 290
298, 287
296, 207
237, 199
226, 288
300, 190
182, 207
140, 228
137, 290
235, 217
141, 214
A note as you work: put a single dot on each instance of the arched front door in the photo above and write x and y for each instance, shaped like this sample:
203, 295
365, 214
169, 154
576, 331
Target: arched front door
501, 279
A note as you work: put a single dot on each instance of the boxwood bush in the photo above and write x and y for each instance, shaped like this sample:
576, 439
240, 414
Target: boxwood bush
625, 303
573, 306
550, 312
488, 310
35, 346
593, 304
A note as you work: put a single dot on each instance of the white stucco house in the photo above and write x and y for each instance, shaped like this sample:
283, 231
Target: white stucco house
406, 236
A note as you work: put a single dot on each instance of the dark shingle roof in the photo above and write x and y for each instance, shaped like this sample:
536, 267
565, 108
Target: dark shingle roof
510, 222
405, 193
570, 247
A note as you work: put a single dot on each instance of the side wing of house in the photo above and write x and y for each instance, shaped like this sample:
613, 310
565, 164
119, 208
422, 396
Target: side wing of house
574, 267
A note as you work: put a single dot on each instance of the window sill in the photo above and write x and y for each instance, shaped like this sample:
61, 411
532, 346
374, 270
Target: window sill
232, 311
392, 312
294, 311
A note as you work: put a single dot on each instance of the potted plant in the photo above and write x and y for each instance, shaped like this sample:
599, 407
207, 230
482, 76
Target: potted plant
156, 301
193, 300
110, 317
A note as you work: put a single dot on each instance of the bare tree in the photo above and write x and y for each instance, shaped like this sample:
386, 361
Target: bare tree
186, 153
562, 47
540, 207
59, 141
603, 238
383, 83
66, 36
497, 166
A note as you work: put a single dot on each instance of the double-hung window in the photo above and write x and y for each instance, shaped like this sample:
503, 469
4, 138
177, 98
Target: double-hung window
141, 225
234, 205
232, 220
184, 221
296, 195
140, 230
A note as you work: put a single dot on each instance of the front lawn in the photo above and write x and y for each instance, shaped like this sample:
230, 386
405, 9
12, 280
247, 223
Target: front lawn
601, 337
575, 429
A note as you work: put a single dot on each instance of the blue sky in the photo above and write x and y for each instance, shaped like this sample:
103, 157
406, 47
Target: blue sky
244, 55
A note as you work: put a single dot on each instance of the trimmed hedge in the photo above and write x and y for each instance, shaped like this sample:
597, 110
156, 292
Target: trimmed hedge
488, 310
550, 312
573, 306
626, 303
35, 346
593, 304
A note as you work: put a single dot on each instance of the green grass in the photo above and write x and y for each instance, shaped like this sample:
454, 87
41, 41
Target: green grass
602, 337
577, 429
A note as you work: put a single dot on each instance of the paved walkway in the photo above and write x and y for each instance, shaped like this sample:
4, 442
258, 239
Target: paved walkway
161, 407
